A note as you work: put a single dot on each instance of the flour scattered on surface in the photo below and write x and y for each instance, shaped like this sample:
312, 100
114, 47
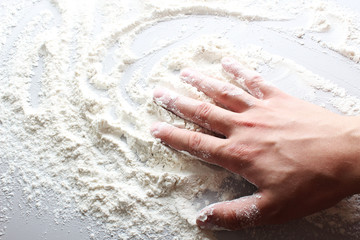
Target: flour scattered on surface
76, 107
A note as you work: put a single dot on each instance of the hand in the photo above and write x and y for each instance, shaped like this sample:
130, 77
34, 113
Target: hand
301, 157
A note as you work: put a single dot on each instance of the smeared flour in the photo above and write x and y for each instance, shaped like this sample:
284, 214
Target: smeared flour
76, 107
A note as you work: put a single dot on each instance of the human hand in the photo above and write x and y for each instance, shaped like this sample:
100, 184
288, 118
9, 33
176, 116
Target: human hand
301, 157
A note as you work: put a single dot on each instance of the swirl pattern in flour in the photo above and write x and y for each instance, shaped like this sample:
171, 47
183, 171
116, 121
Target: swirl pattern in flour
76, 104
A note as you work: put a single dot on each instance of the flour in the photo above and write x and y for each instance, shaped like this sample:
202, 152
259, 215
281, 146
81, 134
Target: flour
342, 26
81, 135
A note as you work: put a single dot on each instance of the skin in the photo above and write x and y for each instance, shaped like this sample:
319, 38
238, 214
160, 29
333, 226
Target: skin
301, 157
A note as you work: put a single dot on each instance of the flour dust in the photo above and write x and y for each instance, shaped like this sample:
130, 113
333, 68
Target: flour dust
76, 106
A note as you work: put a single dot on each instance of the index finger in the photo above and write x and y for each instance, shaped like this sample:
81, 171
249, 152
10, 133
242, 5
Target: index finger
203, 146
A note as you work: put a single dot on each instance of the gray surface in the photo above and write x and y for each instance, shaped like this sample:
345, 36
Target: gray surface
30, 223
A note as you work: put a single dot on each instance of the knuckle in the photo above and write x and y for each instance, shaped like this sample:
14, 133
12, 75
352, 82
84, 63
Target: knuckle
171, 104
254, 85
236, 122
167, 133
253, 81
240, 156
254, 78
227, 91
203, 111
199, 80
194, 141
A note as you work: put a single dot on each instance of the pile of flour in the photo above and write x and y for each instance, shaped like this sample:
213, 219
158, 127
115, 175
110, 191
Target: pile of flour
76, 106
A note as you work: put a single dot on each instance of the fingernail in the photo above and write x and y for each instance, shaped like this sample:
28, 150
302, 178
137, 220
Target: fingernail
157, 127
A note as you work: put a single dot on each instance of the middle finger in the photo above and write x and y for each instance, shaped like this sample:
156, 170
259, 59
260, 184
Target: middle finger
207, 115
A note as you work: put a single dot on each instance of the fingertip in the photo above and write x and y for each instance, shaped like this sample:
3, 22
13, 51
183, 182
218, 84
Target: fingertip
227, 61
205, 220
186, 72
231, 215
204, 214
164, 97
157, 128
187, 75
202, 218
232, 66
158, 92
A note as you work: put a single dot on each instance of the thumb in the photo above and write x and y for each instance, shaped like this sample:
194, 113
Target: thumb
232, 215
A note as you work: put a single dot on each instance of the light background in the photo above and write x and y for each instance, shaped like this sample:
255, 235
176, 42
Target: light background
29, 223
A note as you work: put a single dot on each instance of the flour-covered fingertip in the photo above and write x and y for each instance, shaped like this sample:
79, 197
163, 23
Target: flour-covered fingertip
157, 128
206, 221
227, 61
158, 92
187, 75
164, 97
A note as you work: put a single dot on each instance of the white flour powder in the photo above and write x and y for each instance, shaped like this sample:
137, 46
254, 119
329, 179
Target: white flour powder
76, 106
